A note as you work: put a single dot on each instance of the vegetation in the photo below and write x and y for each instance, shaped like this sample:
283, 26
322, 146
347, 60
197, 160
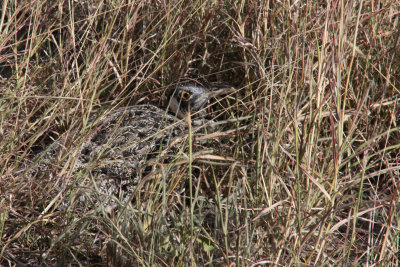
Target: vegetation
303, 171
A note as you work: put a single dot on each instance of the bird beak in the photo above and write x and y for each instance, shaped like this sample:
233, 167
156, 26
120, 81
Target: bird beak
217, 90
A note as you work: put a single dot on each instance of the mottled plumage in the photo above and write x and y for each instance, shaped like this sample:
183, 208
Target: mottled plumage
127, 144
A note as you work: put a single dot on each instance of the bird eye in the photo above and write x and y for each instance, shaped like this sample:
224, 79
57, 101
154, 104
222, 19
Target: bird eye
185, 95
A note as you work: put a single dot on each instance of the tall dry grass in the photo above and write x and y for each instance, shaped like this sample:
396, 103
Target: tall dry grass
304, 169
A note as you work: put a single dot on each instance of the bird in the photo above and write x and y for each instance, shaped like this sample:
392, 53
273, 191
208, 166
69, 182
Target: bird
124, 146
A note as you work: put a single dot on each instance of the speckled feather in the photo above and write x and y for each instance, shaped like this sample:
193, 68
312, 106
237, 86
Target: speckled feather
118, 150
124, 145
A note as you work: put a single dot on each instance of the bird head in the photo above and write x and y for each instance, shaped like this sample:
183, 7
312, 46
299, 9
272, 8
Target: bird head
193, 96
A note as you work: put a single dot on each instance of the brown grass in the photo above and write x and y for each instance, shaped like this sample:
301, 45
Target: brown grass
304, 170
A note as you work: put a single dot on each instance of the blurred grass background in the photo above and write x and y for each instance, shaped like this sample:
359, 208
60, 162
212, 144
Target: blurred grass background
305, 172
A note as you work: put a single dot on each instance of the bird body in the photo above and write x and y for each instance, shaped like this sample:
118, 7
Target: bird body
125, 144
130, 142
